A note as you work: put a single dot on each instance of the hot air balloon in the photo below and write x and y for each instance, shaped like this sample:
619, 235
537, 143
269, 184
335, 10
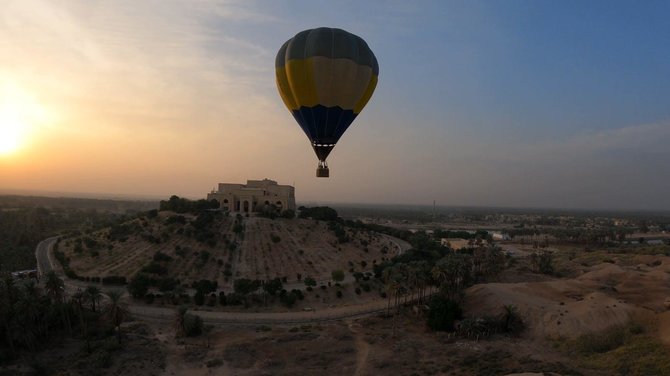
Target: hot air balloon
325, 77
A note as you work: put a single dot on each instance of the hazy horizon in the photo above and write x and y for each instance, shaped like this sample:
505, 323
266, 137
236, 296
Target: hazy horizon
529, 104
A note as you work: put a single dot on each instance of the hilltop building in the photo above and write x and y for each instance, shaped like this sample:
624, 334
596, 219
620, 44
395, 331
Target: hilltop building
253, 196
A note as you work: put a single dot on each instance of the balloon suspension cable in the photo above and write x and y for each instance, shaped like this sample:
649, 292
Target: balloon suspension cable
322, 170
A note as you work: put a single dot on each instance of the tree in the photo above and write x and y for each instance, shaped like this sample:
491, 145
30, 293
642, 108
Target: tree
337, 275
116, 312
442, 313
245, 286
138, 286
545, 262
54, 286
180, 315
272, 286
93, 295
7, 296
309, 282
199, 298
510, 320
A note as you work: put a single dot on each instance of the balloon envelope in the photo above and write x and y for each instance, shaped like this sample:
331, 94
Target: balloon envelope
325, 77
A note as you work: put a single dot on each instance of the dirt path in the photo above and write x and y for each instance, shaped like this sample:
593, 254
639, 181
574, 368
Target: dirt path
362, 349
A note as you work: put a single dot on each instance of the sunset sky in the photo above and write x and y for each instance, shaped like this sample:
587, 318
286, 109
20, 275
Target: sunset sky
507, 103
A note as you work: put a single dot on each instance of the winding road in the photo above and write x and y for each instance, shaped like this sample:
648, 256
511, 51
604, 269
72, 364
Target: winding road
46, 262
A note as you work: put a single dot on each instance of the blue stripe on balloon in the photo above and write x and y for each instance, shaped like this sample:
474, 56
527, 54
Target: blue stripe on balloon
324, 125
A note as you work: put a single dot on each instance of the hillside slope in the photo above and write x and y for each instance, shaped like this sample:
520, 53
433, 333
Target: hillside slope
223, 248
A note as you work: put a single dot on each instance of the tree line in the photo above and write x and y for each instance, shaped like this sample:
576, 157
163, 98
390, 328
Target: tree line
31, 316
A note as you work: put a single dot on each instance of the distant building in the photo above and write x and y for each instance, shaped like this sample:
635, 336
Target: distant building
253, 196
455, 243
498, 235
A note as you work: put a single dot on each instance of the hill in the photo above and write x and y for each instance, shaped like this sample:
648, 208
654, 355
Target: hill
222, 248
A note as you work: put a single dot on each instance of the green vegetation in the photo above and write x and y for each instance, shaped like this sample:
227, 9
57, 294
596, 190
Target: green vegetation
337, 275
183, 205
321, 213
620, 350
187, 324
30, 317
25, 221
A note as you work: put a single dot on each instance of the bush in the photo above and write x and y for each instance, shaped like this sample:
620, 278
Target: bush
206, 286
358, 290
339, 294
337, 275
222, 298
155, 268
149, 298
323, 213
160, 256
114, 280
309, 281
443, 313
192, 325
167, 284
288, 299
601, 342
138, 286
199, 298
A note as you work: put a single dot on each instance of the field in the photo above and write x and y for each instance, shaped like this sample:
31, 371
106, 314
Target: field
264, 249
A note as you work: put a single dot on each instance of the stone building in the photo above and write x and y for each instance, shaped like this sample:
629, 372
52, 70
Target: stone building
253, 196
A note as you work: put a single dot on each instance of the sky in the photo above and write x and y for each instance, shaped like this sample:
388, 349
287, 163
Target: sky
561, 104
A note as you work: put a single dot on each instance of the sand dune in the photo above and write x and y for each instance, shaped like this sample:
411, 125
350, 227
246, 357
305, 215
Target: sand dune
605, 295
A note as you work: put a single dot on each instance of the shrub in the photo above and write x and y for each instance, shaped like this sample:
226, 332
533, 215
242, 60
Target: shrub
288, 299
337, 275
160, 256
358, 290
138, 286
222, 298
199, 298
149, 298
155, 268
601, 342
114, 280
309, 282
442, 314
192, 325
339, 293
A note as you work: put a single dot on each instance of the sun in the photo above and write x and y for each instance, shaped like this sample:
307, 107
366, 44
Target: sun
12, 130
20, 113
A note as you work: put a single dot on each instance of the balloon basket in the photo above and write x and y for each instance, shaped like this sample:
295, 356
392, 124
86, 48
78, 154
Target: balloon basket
322, 172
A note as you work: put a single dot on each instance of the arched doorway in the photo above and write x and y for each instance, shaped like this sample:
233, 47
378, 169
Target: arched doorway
246, 206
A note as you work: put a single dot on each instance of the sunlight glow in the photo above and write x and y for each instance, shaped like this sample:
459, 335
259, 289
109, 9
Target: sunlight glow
20, 114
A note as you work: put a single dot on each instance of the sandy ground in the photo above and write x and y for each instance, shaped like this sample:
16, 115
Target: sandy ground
605, 295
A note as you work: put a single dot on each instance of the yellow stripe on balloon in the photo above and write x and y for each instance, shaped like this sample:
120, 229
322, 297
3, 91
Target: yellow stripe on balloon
285, 89
368, 94
300, 74
340, 82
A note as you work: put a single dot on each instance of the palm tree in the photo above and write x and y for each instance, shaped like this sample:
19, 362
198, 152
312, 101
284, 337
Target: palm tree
180, 322
439, 273
29, 320
55, 287
78, 298
6, 310
116, 311
93, 295
386, 275
395, 287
